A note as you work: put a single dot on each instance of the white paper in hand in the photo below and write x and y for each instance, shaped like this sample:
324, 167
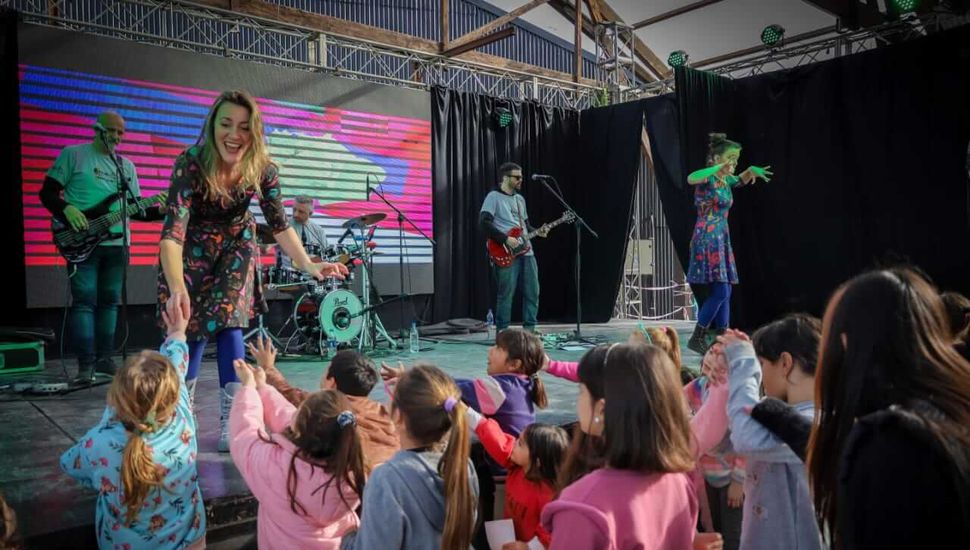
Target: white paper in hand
499, 532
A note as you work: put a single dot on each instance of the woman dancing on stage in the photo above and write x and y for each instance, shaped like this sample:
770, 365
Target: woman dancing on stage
208, 247
711, 257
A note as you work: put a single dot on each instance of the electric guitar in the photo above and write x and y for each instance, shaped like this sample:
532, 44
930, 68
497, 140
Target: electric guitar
503, 256
76, 246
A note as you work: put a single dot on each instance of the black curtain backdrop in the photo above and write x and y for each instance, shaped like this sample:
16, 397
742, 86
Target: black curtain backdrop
609, 157
595, 168
869, 156
14, 312
468, 146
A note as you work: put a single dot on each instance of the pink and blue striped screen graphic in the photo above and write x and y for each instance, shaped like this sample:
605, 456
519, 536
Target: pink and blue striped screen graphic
324, 152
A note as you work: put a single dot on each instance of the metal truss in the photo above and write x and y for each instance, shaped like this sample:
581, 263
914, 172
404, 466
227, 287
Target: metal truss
804, 53
187, 26
653, 286
629, 301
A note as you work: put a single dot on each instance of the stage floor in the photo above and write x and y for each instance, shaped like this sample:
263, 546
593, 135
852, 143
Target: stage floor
53, 511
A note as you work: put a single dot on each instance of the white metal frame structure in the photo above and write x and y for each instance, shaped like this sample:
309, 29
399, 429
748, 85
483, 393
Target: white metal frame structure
184, 25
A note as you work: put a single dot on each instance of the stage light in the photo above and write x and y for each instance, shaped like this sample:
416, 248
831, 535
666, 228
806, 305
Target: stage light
772, 35
677, 58
503, 116
905, 6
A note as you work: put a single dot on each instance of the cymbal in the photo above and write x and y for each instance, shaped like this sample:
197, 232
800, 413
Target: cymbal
365, 220
264, 234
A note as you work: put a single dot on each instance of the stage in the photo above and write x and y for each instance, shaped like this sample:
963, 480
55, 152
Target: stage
54, 511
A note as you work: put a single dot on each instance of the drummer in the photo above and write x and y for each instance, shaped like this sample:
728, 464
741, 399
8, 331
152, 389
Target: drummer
312, 236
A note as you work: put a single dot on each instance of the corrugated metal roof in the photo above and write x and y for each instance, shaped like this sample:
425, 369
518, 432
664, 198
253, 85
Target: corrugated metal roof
530, 44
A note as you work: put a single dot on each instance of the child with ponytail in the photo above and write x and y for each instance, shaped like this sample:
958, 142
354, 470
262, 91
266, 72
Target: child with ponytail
513, 388
426, 495
313, 451
141, 456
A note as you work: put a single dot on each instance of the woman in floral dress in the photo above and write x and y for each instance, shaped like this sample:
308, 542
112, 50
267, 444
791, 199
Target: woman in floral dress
711, 257
208, 248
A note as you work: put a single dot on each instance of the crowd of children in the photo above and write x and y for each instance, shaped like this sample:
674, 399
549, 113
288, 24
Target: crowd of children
849, 432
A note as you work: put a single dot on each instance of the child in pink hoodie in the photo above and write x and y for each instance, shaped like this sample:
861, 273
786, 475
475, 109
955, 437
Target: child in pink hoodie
308, 473
632, 408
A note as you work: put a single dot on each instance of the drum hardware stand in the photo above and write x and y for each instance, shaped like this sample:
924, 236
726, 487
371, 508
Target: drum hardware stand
260, 327
372, 321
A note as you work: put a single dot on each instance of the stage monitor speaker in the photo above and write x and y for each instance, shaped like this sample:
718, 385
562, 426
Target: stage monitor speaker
21, 357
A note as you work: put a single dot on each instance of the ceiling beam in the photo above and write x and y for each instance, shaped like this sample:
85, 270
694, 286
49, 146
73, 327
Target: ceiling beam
594, 10
469, 45
568, 10
755, 49
578, 42
851, 13
351, 29
496, 23
674, 13
445, 22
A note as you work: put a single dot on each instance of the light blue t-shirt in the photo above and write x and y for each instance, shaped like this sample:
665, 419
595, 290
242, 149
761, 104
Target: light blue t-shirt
508, 211
89, 177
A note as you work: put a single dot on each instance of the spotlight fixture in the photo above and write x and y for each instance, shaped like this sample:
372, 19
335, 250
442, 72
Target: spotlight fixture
677, 58
905, 6
503, 116
772, 35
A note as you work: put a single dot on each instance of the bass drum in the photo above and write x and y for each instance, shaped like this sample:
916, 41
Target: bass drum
340, 315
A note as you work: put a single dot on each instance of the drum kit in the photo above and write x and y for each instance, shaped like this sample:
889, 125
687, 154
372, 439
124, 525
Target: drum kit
329, 313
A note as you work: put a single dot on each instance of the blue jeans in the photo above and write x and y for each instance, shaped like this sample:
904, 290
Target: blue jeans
523, 272
717, 307
96, 293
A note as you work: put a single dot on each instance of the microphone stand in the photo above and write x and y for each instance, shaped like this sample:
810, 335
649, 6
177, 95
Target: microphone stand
401, 218
580, 223
124, 193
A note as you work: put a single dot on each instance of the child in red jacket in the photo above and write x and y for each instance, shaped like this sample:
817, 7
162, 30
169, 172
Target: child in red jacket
533, 461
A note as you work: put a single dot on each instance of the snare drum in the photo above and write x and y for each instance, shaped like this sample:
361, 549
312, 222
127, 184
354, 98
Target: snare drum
292, 278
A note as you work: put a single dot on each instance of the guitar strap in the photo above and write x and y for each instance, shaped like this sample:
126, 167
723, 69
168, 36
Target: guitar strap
518, 211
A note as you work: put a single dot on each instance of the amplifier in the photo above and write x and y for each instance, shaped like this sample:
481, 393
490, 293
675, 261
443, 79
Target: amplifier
21, 357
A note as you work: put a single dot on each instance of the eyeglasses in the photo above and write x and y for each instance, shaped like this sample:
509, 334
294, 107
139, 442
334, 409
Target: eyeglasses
519, 177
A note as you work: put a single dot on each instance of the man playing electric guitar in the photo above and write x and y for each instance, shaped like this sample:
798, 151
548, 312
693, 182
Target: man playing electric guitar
86, 174
503, 210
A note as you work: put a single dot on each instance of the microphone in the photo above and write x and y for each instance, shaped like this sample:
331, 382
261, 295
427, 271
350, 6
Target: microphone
537, 177
368, 187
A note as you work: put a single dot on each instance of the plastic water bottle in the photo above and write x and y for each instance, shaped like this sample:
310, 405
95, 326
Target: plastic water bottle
331, 347
490, 322
415, 338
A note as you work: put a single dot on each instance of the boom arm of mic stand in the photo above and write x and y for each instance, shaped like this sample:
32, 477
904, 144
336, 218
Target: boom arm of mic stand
565, 204
403, 215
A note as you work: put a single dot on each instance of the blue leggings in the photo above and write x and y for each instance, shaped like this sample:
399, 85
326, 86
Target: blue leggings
229, 347
717, 307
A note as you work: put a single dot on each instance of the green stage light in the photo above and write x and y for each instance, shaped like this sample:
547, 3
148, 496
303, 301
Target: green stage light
772, 35
504, 117
905, 6
677, 58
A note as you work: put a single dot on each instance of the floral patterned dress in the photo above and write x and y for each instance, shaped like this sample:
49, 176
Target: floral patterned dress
711, 256
171, 517
219, 255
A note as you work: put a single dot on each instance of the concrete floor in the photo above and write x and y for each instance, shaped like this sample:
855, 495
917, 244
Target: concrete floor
53, 510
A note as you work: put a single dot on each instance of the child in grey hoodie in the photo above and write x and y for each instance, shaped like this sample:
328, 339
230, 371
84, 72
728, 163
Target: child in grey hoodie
778, 510
404, 500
